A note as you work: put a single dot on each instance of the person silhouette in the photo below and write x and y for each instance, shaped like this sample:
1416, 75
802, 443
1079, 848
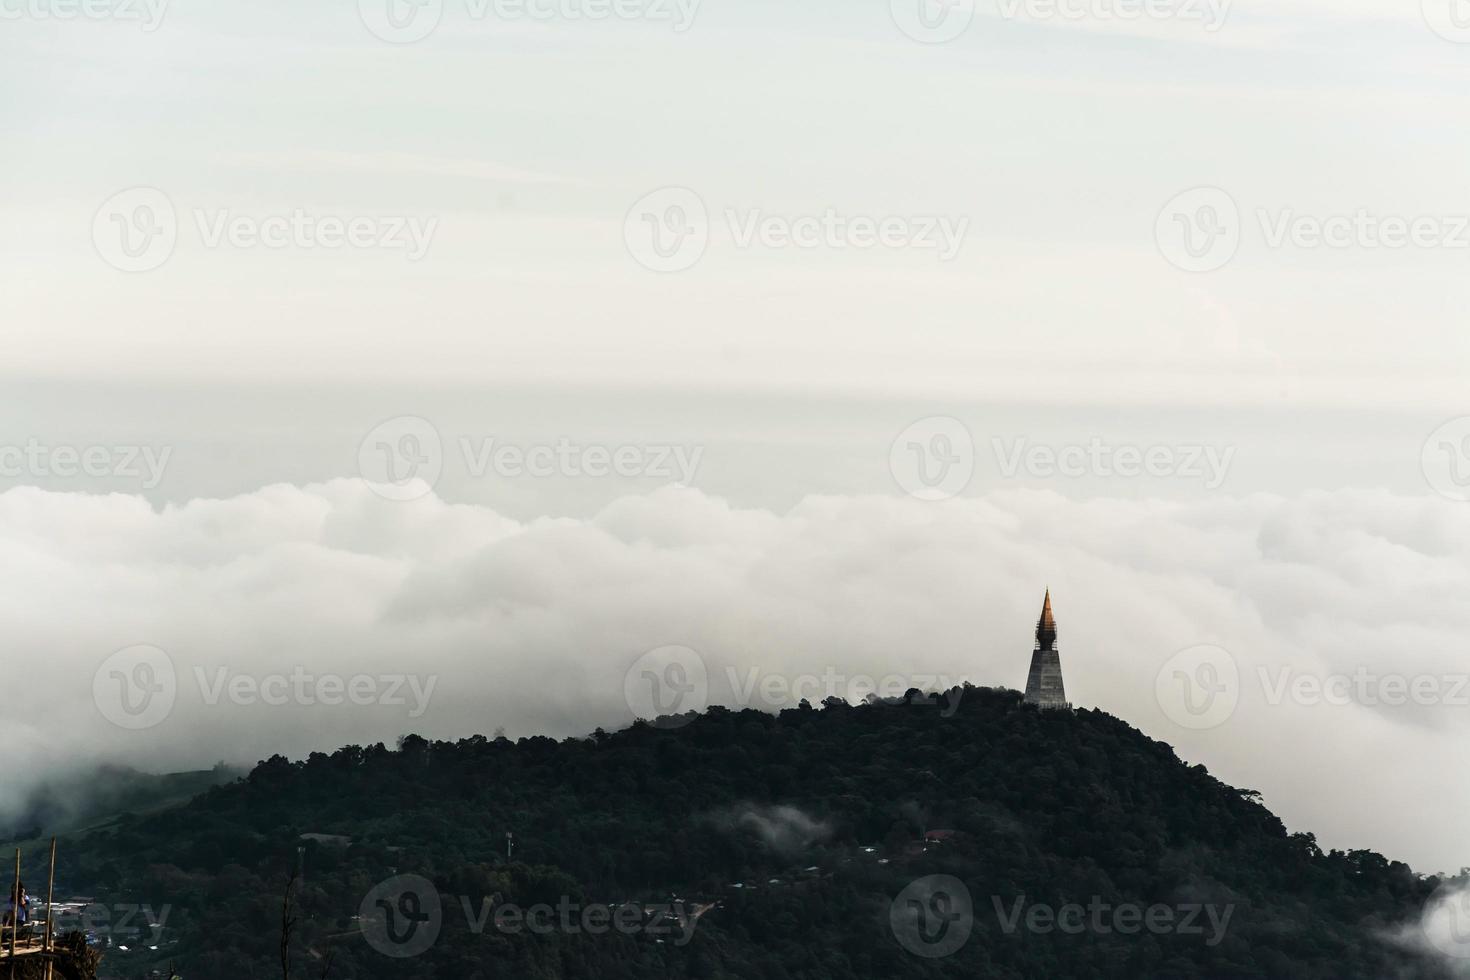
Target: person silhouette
18, 908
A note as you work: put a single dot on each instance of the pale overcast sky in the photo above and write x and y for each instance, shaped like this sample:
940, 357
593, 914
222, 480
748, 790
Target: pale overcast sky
528, 140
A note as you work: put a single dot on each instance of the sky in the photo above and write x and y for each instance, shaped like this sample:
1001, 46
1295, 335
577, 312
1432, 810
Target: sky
500, 345
528, 139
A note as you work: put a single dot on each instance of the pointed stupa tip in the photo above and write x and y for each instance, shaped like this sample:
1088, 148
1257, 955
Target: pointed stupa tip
1044, 687
1046, 626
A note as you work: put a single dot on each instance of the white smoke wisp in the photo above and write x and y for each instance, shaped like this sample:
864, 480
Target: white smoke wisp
786, 830
1443, 930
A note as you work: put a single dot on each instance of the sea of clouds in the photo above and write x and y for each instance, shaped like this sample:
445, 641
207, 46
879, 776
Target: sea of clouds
532, 626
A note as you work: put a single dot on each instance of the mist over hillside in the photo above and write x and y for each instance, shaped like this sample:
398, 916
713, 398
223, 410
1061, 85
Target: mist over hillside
958, 835
563, 489
69, 800
461, 617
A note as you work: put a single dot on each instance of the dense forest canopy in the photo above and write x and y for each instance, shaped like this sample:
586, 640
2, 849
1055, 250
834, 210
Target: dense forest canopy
816, 843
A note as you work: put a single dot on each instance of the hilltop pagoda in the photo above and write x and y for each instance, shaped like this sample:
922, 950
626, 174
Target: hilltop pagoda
1044, 683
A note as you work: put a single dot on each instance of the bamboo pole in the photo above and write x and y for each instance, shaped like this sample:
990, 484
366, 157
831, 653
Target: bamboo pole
14, 912
50, 908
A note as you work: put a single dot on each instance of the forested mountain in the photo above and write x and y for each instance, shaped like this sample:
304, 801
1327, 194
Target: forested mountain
788, 846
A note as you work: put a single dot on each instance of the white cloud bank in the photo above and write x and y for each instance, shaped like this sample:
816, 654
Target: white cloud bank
531, 626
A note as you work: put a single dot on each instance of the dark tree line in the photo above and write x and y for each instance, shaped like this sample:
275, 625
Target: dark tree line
1047, 807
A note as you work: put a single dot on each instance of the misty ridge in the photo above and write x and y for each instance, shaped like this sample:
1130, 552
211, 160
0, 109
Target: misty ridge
750, 808
456, 613
64, 799
760, 830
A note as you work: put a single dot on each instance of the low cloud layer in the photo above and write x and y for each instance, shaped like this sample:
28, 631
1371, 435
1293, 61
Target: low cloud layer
296, 619
787, 830
1443, 930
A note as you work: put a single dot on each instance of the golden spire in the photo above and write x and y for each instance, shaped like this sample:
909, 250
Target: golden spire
1046, 626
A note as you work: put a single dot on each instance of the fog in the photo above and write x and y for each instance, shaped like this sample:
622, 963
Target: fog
298, 619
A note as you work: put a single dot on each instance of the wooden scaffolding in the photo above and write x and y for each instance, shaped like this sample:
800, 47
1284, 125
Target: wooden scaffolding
34, 943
